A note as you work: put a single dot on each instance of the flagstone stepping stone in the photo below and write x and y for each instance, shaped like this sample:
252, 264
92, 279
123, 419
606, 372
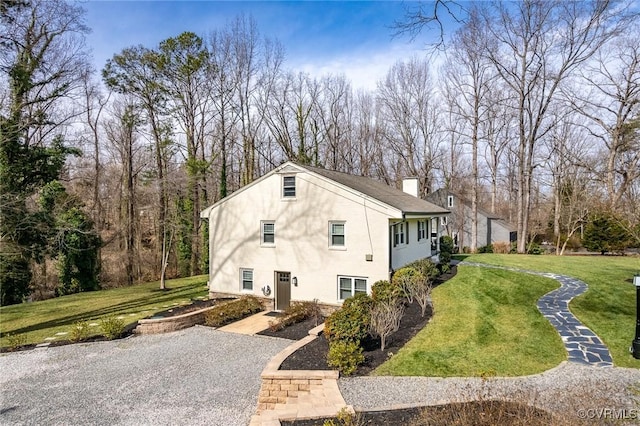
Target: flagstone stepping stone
582, 345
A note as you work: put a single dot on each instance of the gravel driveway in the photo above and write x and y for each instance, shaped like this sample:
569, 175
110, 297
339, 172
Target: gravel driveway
195, 376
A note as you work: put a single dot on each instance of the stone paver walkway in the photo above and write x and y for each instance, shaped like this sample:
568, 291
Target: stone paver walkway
582, 344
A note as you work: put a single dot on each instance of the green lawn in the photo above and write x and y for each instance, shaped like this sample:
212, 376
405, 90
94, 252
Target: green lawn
485, 323
608, 307
39, 320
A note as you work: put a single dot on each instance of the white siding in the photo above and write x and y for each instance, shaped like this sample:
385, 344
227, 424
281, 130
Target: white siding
414, 249
301, 237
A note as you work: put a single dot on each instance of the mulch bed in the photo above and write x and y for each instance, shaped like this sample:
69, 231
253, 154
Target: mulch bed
295, 331
476, 413
195, 305
313, 356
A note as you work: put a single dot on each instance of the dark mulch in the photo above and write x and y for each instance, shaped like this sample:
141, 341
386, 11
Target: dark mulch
476, 413
295, 331
313, 356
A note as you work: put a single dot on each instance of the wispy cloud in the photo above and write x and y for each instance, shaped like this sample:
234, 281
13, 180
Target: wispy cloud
351, 38
363, 68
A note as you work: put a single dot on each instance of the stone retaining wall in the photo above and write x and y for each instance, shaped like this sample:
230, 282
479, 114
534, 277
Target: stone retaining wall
165, 325
278, 388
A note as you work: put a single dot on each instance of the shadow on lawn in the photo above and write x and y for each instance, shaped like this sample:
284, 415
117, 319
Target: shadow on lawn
161, 296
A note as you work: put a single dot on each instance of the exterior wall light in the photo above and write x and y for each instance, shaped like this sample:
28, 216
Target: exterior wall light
295, 281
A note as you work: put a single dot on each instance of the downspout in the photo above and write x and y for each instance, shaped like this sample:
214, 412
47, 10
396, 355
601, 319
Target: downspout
390, 251
438, 235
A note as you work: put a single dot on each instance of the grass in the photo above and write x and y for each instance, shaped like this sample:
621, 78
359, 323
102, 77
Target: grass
36, 321
608, 307
485, 323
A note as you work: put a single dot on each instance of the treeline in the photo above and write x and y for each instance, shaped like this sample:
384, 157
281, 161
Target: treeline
532, 113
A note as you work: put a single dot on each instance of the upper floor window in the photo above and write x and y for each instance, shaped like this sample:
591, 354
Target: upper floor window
450, 201
398, 233
289, 186
336, 234
268, 233
422, 230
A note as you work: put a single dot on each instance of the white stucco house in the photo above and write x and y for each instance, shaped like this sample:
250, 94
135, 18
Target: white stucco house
303, 233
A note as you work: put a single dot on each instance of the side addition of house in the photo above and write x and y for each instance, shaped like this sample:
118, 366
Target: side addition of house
301, 233
491, 227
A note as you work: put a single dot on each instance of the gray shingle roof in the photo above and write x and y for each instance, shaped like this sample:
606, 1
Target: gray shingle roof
394, 197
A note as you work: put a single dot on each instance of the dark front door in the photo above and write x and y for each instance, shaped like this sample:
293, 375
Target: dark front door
283, 290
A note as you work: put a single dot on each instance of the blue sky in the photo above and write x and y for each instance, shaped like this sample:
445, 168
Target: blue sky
319, 37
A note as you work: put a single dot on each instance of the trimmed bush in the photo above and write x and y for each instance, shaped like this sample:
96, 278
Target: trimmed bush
233, 311
79, 331
351, 322
295, 313
426, 267
446, 248
534, 248
345, 356
112, 327
384, 290
486, 249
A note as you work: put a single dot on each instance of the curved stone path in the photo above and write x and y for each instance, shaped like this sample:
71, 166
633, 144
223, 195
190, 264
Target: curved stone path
583, 345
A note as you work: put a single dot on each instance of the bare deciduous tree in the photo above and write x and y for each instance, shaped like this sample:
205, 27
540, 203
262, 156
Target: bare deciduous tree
411, 128
385, 318
538, 46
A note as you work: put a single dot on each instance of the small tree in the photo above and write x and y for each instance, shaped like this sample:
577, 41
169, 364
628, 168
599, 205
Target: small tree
421, 287
387, 310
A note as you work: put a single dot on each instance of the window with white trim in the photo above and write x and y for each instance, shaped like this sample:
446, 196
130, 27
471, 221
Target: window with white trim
350, 286
337, 234
289, 187
449, 201
246, 279
398, 234
267, 233
422, 230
